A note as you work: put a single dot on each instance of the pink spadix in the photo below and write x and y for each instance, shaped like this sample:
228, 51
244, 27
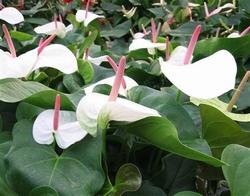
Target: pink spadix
87, 8
9, 40
155, 32
245, 31
56, 112
118, 79
191, 45
115, 68
43, 44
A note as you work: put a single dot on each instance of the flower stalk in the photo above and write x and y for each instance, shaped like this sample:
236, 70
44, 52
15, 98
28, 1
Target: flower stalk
238, 91
9, 40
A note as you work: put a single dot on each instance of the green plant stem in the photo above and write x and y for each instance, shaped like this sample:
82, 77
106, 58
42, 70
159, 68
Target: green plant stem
178, 96
238, 91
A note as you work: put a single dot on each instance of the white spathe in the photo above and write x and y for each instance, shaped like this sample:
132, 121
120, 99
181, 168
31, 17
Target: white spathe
11, 15
130, 83
141, 43
81, 17
95, 109
98, 60
51, 28
205, 79
68, 133
55, 55
234, 35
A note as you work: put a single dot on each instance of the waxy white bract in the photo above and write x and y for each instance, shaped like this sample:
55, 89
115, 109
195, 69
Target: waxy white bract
81, 17
54, 28
141, 43
207, 78
97, 60
69, 131
55, 55
11, 15
97, 107
130, 83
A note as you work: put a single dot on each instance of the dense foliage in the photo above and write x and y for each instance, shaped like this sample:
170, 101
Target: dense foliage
171, 131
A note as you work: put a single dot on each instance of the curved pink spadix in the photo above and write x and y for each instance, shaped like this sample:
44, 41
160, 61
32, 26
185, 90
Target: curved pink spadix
56, 112
118, 79
9, 40
45, 43
245, 31
115, 68
191, 45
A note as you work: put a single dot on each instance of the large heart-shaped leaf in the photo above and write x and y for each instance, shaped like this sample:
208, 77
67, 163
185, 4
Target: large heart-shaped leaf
77, 171
236, 173
220, 131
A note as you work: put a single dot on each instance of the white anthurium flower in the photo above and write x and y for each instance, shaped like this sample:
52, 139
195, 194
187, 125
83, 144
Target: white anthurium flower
86, 17
55, 55
238, 34
57, 28
97, 60
11, 15
64, 128
146, 44
207, 78
130, 83
97, 108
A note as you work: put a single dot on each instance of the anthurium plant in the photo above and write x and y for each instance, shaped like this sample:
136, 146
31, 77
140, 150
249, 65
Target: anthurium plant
118, 97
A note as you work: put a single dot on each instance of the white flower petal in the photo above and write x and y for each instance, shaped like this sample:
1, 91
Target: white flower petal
88, 111
59, 57
145, 44
11, 15
139, 35
233, 35
43, 127
69, 28
206, 78
124, 111
51, 28
130, 83
69, 134
80, 17
16, 67
98, 60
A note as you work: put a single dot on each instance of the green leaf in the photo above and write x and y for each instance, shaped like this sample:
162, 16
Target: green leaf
237, 46
161, 133
21, 36
77, 171
221, 106
128, 178
15, 90
118, 31
177, 174
236, 173
187, 193
27, 111
43, 191
220, 131
86, 70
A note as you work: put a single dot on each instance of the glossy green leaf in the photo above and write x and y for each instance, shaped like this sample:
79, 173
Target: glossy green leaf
118, 31
15, 90
86, 70
161, 133
220, 131
21, 36
77, 171
43, 191
236, 173
187, 193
